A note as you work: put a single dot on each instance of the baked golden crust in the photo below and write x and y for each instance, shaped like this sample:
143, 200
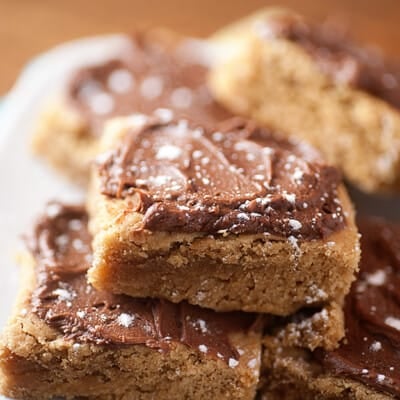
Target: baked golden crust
278, 83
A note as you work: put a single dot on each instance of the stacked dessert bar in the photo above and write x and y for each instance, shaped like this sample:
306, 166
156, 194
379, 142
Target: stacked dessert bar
311, 82
215, 257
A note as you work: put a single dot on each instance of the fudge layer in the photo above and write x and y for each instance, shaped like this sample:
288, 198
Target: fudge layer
233, 218
366, 365
312, 82
156, 69
68, 340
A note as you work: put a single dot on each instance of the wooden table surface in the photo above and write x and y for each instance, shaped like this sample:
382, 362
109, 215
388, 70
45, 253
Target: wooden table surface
28, 27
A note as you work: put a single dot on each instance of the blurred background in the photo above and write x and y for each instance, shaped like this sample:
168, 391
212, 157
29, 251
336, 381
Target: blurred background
28, 27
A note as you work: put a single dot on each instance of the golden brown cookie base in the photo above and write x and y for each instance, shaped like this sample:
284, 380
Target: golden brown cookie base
36, 362
277, 83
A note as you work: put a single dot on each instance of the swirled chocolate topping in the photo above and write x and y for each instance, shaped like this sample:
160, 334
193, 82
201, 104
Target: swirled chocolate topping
339, 58
237, 179
150, 75
370, 352
66, 302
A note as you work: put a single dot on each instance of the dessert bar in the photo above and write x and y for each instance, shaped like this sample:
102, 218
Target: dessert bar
312, 82
157, 69
233, 218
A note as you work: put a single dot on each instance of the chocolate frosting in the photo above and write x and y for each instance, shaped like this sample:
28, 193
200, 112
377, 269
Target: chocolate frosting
150, 75
339, 58
66, 302
370, 352
237, 179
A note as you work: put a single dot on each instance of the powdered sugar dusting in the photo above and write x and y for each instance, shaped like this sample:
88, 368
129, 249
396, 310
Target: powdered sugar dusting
182, 97
64, 294
203, 348
151, 87
233, 363
101, 103
378, 278
380, 377
376, 346
120, 81
125, 320
165, 114
168, 152
294, 224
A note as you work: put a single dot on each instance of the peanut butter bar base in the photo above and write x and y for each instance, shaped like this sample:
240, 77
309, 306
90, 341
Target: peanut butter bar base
37, 362
277, 82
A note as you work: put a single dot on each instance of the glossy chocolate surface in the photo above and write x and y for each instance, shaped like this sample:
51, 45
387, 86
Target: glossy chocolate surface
237, 178
152, 73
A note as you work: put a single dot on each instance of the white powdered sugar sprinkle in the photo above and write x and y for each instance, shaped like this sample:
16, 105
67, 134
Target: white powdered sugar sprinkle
201, 325
76, 346
294, 224
380, 377
298, 174
168, 152
151, 87
291, 198
75, 225
233, 363
120, 81
81, 314
52, 210
101, 103
125, 320
378, 278
203, 348
181, 97
63, 294
165, 114
376, 346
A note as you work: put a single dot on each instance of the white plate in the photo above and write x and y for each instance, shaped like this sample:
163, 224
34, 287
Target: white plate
26, 184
